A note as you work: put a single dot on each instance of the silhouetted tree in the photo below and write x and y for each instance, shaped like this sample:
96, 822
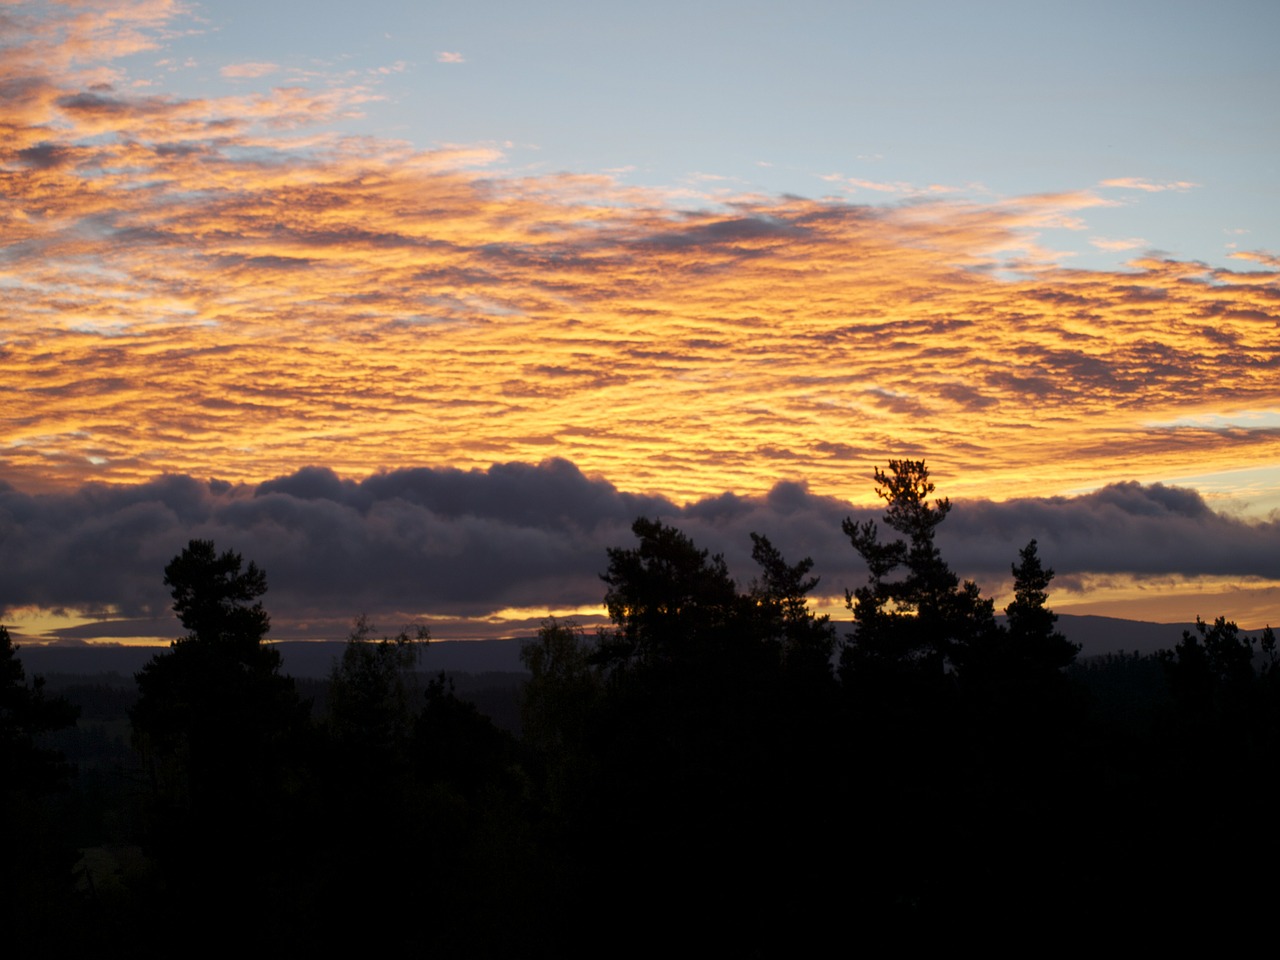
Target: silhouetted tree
1024, 660
781, 593
35, 853
1222, 702
477, 861
705, 770
671, 602
906, 740
26, 715
1211, 662
910, 624
217, 723
373, 694
1216, 747
558, 699
1030, 622
456, 744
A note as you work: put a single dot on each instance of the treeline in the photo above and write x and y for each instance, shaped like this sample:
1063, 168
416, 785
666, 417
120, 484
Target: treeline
718, 767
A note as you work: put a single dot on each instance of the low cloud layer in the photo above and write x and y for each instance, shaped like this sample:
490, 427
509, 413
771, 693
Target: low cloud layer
444, 543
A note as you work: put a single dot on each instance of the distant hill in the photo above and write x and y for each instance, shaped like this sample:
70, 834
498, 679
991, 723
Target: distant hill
1098, 636
302, 658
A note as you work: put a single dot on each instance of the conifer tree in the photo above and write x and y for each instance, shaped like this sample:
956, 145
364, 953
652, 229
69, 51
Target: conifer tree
218, 726
916, 621
1031, 624
26, 713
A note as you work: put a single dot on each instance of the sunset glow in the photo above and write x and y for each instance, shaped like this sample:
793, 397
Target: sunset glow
240, 285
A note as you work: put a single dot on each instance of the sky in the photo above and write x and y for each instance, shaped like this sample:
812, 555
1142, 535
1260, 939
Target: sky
419, 305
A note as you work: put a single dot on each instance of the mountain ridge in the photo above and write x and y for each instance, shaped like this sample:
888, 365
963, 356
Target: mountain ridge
1097, 636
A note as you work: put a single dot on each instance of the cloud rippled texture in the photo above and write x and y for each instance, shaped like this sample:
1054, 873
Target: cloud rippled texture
221, 286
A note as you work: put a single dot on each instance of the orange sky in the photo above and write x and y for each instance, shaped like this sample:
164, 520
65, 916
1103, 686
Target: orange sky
367, 312
226, 288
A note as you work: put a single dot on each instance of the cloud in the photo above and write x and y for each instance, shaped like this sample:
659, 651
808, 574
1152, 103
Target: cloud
228, 286
248, 71
442, 542
1264, 257
47, 156
853, 184
445, 56
1103, 243
1121, 528
1147, 186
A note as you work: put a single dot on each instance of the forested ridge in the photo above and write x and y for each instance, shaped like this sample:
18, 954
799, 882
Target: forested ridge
719, 767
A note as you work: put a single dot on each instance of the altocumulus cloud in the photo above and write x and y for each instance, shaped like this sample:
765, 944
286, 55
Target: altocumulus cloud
202, 266
453, 543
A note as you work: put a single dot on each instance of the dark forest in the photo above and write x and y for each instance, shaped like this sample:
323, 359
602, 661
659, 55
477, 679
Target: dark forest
719, 769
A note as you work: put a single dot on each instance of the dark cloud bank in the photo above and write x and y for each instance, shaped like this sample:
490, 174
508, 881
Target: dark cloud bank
464, 543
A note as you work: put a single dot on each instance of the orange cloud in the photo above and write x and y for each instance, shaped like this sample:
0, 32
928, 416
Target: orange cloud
853, 184
248, 71
1115, 245
1147, 186
1263, 257
222, 287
